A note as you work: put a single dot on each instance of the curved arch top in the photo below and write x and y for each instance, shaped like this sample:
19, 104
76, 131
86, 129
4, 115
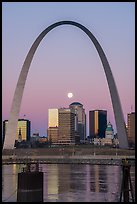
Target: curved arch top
16, 103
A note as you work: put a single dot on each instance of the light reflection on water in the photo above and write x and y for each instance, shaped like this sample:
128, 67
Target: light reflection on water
70, 182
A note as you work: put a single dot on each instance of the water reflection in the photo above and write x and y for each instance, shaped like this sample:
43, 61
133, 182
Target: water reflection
9, 182
102, 181
70, 182
50, 181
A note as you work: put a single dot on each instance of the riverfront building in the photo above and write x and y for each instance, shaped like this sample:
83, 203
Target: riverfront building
66, 126
97, 123
53, 126
61, 126
109, 135
131, 127
23, 130
53, 117
53, 133
80, 120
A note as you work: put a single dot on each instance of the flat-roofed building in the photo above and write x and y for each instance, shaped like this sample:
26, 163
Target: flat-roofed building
97, 123
53, 117
53, 135
62, 127
53, 124
131, 127
66, 126
23, 130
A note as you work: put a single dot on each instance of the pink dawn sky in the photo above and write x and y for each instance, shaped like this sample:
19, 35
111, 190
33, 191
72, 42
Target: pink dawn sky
66, 60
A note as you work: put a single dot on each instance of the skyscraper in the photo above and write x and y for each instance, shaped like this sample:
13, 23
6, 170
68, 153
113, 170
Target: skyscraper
66, 126
61, 126
97, 123
52, 117
23, 130
53, 126
131, 127
80, 120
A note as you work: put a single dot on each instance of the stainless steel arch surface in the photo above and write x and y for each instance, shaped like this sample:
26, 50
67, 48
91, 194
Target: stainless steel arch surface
16, 103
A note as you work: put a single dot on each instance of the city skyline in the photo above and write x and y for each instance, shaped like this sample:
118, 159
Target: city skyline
53, 121
38, 90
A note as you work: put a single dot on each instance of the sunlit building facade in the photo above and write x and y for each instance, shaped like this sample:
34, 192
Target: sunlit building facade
62, 126
52, 117
97, 123
23, 130
53, 126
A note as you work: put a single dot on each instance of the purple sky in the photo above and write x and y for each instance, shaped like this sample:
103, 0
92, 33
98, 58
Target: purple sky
66, 60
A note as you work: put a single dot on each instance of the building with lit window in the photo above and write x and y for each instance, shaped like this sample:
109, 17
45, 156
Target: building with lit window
52, 117
23, 130
53, 135
62, 127
66, 126
131, 127
53, 126
97, 123
80, 120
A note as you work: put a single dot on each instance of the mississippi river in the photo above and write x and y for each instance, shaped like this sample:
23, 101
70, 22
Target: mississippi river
70, 182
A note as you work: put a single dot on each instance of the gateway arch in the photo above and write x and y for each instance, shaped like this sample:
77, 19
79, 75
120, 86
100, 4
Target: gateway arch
16, 103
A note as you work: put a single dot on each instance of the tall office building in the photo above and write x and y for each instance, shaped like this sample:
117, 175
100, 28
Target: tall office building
23, 129
66, 126
80, 120
53, 118
53, 126
131, 127
53, 135
97, 123
62, 126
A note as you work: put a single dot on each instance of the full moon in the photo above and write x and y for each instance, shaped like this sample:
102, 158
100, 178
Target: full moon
70, 95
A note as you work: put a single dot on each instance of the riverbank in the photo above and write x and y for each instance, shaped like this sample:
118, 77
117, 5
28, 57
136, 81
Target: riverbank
87, 159
69, 150
76, 154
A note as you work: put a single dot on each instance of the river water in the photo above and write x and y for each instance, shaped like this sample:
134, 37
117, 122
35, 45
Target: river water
70, 182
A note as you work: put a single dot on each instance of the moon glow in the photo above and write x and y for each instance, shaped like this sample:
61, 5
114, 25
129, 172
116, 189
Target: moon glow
70, 95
